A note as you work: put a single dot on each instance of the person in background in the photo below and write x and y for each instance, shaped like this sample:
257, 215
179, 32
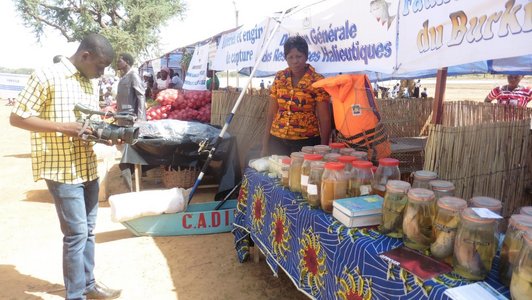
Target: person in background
424, 94
262, 84
163, 82
67, 163
130, 100
511, 93
148, 83
417, 87
212, 84
298, 115
177, 83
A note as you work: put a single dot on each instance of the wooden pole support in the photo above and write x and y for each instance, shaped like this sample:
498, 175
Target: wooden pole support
439, 95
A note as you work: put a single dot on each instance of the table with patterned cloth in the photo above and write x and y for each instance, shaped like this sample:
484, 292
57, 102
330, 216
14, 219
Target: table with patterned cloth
325, 259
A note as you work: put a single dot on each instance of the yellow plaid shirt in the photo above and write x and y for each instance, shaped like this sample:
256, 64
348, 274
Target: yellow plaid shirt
51, 94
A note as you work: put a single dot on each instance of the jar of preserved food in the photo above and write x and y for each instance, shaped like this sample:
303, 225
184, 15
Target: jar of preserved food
445, 225
305, 171
331, 157
360, 155
335, 147
417, 219
294, 176
307, 149
441, 188
393, 207
360, 179
475, 245
285, 169
492, 204
388, 169
347, 151
333, 185
322, 149
513, 242
314, 183
526, 210
347, 161
521, 285
422, 179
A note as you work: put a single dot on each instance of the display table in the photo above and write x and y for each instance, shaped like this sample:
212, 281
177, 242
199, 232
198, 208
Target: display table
323, 258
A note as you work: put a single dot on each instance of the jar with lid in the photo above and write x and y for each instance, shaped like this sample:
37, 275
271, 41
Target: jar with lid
314, 183
285, 169
475, 245
417, 219
322, 149
422, 179
521, 285
441, 188
305, 171
347, 151
360, 155
526, 210
294, 176
335, 147
331, 157
388, 169
393, 207
513, 242
348, 161
445, 225
307, 149
333, 185
360, 178
492, 204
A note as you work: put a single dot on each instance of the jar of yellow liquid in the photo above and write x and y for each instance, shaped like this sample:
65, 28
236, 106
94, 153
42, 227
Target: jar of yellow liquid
314, 183
445, 226
361, 178
333, 185
294, 174
417, 219
521, 285
393, 207
305, 171
513, 242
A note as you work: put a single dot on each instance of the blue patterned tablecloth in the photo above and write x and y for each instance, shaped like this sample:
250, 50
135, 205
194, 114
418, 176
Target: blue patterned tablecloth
325, 259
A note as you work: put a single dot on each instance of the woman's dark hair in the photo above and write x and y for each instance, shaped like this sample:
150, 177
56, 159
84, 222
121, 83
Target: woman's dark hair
297, 42
128, 58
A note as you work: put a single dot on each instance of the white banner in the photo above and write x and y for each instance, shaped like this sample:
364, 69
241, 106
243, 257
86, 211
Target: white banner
196, 76
442, 33
239, 49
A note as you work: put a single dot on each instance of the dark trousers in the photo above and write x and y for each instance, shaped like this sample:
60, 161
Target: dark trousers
285, 147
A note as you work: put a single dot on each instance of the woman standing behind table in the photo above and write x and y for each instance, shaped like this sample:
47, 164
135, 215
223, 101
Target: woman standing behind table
298, 115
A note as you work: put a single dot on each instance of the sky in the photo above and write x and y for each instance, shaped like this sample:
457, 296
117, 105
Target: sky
203, 19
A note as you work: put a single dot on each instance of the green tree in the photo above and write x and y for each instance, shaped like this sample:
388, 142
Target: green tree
130, 25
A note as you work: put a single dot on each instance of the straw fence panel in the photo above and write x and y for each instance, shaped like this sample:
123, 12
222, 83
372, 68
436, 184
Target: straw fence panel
249, 119
483, 149
404, 117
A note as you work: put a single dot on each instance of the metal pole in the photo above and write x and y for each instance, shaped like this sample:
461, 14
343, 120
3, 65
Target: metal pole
219, 138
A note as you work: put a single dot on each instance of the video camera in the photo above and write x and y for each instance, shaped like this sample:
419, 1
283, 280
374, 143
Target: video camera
103, 132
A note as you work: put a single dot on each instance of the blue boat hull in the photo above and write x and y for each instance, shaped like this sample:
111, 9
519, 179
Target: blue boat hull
200, 218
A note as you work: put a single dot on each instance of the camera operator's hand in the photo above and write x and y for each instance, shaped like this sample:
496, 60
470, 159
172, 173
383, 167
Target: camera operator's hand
74, 129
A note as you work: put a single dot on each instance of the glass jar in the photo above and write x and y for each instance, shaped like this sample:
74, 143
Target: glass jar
331, 157
305, 171
348, 161
521, 285
441, 188
388, 169
422, 179
492, 204
294, 177
445, 225
526, 210
417, 219
335, 147
360, 155
475, 245
513, 242
360, 179
393, 207
347, 151
285, 170
333, 185
307, 149
322, 149
314, 183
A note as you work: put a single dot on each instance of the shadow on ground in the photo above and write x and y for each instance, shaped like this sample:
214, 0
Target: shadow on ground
26, 287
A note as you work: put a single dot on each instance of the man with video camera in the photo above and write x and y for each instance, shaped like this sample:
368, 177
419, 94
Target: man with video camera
67, 163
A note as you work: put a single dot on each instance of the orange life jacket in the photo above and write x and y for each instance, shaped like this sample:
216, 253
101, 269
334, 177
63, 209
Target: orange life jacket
356, 115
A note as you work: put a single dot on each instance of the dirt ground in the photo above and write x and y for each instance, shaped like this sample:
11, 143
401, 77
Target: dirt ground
186, 267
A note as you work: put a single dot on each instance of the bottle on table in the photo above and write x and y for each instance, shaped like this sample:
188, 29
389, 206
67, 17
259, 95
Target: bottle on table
475, 245
333, 185
360, 155
360, 178
314, 183
322, 149
388, 169
347, 160
335, 147
347, 151
331, 156
393, 207
294, 177
285, 170
422, 179
521, 283
445, 226
305, 171
513, 242
307, 149
417, 219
